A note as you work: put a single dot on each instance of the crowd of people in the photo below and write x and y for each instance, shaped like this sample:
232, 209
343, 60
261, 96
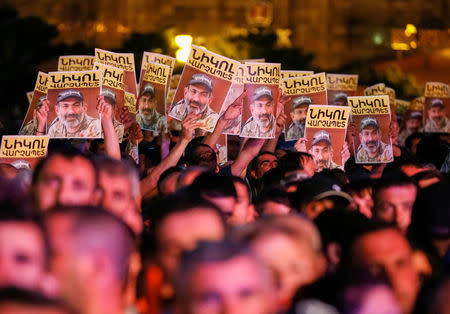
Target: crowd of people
276, 229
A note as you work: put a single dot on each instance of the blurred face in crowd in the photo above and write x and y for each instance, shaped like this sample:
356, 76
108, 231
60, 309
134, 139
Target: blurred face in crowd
264, 163
364, 201
298, 115
147, 105
233, 286
182, 231
377, 298
262, 111
22, 254
394, 205
71, 112
370, 140
197, 97
436, 113
389, 252
293, 262
66, 181
309, 166
116, 192
322, 154
413, 125
244, 211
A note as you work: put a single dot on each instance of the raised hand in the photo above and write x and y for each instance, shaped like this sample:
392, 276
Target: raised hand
300, 145
189, 124
42, 115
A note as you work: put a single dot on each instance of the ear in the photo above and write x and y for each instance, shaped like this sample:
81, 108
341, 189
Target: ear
210, 99
185, 91
292, 116
253, 174
251, 213
360, 137
333, 252
57, 109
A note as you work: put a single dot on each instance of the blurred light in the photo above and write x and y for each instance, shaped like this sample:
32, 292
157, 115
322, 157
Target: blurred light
410, 30
400, 46
183, 54
413, 44
122, 29
183, 41
100, 28
377, 39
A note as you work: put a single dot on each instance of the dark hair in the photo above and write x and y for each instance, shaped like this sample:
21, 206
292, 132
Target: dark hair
213, 185
167, 173
237, 179
272, 194
206, 159
391, 179
293, 161
409, 140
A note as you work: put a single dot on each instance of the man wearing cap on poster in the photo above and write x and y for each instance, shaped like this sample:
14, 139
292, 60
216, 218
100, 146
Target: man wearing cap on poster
437, 121
72, 119
148, 117
31, 127
413, 124
111, 98
197, 99
298, 115
322, 151
262, 122
372, 149
340, 99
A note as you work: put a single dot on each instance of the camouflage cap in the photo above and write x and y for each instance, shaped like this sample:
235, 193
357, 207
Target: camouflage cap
321, 136
70, 93
40, 101
414, 115
302, 100
108, 93
148, 89
340, 96
436, 103
262, 91
203, 80
369, 121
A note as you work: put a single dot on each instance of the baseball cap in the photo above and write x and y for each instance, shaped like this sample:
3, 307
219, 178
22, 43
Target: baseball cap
302, 100
261, 92
203, 80
414, 115
107, 93
70, 93
321, 136
319, 187
39, 104
368, 121
148, 89
436, 103
340, 96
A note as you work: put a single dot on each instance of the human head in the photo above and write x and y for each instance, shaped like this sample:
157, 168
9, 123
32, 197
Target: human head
299, 109
436, 110
202, 155
109, 96
91, 250
243, 211
294, 162
262, 107
386, 250
198, 93
23, 251
413, 121
321, 149
370, 136
263, 163
71, 108
273, 201
167, 182
180, 222
223, 277
340, 99
394, 195
64, 177
147, 101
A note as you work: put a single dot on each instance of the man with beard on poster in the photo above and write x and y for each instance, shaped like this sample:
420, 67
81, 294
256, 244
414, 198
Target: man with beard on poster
111, 99
437, 121
148, 117
322, 151
262, 122
72, 119
372, 149
197, 98
298, 115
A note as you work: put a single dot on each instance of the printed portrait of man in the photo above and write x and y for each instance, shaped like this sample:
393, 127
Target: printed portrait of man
262, 122
322, 151
111, 98
340, 99
31, 127
72, 119
372, 149
298, 115
198, 95
437, 122
148, 117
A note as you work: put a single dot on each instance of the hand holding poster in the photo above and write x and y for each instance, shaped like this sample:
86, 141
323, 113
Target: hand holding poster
325, 133
152, 98
130, 102
437, 108
72, 101
124, 61
339, 87
372, 117
303, 91
113, 91
75, 63
24, 150
237, 88
203, 87
30, 123
260, 104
